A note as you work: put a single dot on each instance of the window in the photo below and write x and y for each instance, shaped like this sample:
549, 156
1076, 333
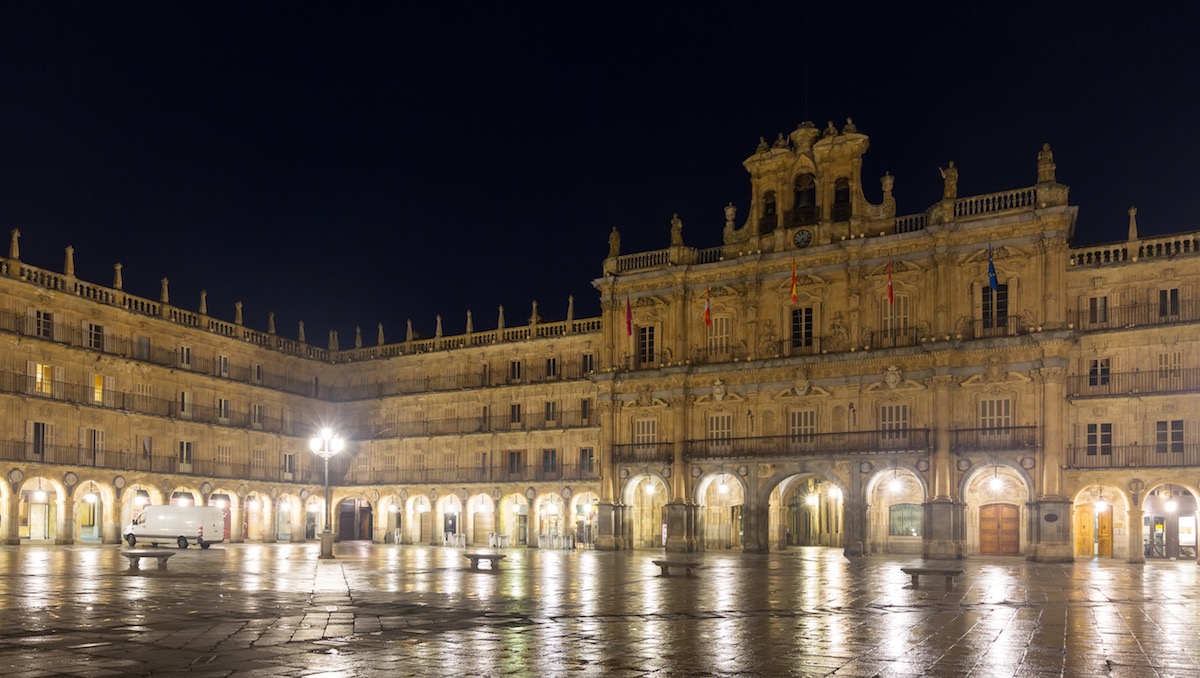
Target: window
1168, 436
587, 460
289, 463
904, 520
802, 423
550, 461
804, 200
1170, 364
43, 324
222, 366
514, 413
43, 379
1099, 439
147, 447
1168, 302
589, 363
258, 458
718, 336
94, 336
720, 430
1099, 372
515, 368
841, 200
1098, 310
185, 356
802, 327
185, 452
995, 414
41, 437
645, 431
585, 410
258, 414
895, 316
995, 307
516, 461
551, 368
893, 420
96, 389
257, 374
223, 409
551, 411
93, 445
645, 345
143, 396
185, 404
224, 455
142, 352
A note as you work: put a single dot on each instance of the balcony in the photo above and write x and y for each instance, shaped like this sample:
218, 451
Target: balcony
814, 445
1000, 439
1133, 456
459, 475
644, 453
1135, 315
1112, 384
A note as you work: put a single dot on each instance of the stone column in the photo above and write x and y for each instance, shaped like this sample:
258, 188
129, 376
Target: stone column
943, 514
1050, 524
12, 533
678, 537
757, 524
66, 518
854, 521
237, 532
607, 521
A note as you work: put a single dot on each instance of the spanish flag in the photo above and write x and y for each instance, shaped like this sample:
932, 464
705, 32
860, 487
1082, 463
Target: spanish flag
628, 317
891, 295
707, 310
793, 280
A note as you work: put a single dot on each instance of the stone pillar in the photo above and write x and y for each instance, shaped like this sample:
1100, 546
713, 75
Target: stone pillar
854, 523
66, 519
267, 516
944, 523
678, 534
943, 515
754, 533
12, 533
237, 532
678, 537
1050, 524
110, 516
1135, 549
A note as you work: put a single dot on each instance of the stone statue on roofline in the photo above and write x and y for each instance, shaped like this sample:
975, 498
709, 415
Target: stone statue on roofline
676, 230
950, 177
614, 243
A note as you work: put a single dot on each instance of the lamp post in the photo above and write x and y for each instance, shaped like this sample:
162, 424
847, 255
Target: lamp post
326, 444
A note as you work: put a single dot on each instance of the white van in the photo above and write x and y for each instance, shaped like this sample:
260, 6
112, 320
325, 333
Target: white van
203, 525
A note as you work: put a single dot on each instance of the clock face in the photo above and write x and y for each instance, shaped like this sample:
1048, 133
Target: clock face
803, 238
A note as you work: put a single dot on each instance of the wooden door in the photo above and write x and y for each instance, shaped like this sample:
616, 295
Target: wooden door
999, 530
1104, 533
1084, 526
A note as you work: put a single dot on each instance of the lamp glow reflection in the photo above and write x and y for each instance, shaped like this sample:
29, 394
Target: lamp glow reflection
326, 444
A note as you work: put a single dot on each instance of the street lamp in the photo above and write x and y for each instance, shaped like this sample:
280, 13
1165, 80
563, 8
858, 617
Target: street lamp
326, 444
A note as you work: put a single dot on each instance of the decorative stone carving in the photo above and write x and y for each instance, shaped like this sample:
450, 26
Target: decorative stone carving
719, 390
893, 376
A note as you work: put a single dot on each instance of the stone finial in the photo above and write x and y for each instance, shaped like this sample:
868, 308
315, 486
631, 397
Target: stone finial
730, 215
237, 313
533, 316
1046, 165
950, 177
301, 337
500, 320
333, 342
676, 230
1133, 234
470, 324
203, 302
69, 264
614, 243
570, 308
117, 282
887, 181
379, 337
271, 322
357, 336
437, 328
14, 246
408, 333
165, 295
850, 127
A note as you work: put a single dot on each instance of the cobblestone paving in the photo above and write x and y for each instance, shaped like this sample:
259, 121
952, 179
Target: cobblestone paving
276, 610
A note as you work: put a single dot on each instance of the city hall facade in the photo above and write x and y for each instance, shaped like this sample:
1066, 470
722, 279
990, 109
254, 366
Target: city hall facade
956, 382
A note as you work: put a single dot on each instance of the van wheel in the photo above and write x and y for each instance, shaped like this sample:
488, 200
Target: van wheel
182, 542
131, 539
204, 544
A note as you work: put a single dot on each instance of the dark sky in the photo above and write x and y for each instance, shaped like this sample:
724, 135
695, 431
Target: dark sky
368, 162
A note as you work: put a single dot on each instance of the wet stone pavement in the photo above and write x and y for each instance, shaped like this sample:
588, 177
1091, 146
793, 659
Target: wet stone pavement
277, 610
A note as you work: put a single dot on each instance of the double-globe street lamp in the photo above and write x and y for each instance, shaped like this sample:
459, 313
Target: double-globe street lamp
326, 444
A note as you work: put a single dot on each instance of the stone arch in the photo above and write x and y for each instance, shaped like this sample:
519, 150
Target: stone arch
513, 520
894, 500
721, 499
95, 511
449, 519
549, 512
997, 496
420, 518
805, 506
43, 507
1098, 510
585, 510
645, 496
1169, 523
480, 516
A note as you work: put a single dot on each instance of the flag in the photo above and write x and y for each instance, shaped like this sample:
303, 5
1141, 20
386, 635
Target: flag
793, 280
992, 282
891, 295
707, 310
628, 317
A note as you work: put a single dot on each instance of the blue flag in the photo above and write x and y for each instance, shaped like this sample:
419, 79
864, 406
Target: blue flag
992, 282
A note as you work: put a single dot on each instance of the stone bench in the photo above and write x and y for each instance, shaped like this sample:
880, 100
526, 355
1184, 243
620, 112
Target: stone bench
492, 559
135, 556
948, 572
666, 565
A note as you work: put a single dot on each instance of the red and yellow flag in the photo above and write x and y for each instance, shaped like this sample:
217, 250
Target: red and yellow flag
707, 310
891, 295
793, 280
628, 317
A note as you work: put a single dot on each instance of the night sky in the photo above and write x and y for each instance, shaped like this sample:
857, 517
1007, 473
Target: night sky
376, 163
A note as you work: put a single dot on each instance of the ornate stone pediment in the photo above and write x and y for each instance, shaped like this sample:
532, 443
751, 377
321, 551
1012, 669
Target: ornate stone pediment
720, 394
646, 400
894, 380
996, 372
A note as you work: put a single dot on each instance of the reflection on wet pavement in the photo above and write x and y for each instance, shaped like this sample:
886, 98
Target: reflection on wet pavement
276, 609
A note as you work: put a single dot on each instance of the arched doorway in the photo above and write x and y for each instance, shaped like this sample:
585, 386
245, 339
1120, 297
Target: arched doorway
90, 507
586, 517
354, 519
514, 520
895, 519
811, 511
1097, 510
996, 496
549, 521
646, 497
39, 510
481, 511
1169, 523
721, 497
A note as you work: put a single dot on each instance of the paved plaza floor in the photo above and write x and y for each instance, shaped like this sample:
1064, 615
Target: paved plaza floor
277, 610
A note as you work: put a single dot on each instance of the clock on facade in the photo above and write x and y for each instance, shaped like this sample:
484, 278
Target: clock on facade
803, 238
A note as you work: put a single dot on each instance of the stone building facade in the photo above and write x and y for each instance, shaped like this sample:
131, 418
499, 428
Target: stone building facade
960, 381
